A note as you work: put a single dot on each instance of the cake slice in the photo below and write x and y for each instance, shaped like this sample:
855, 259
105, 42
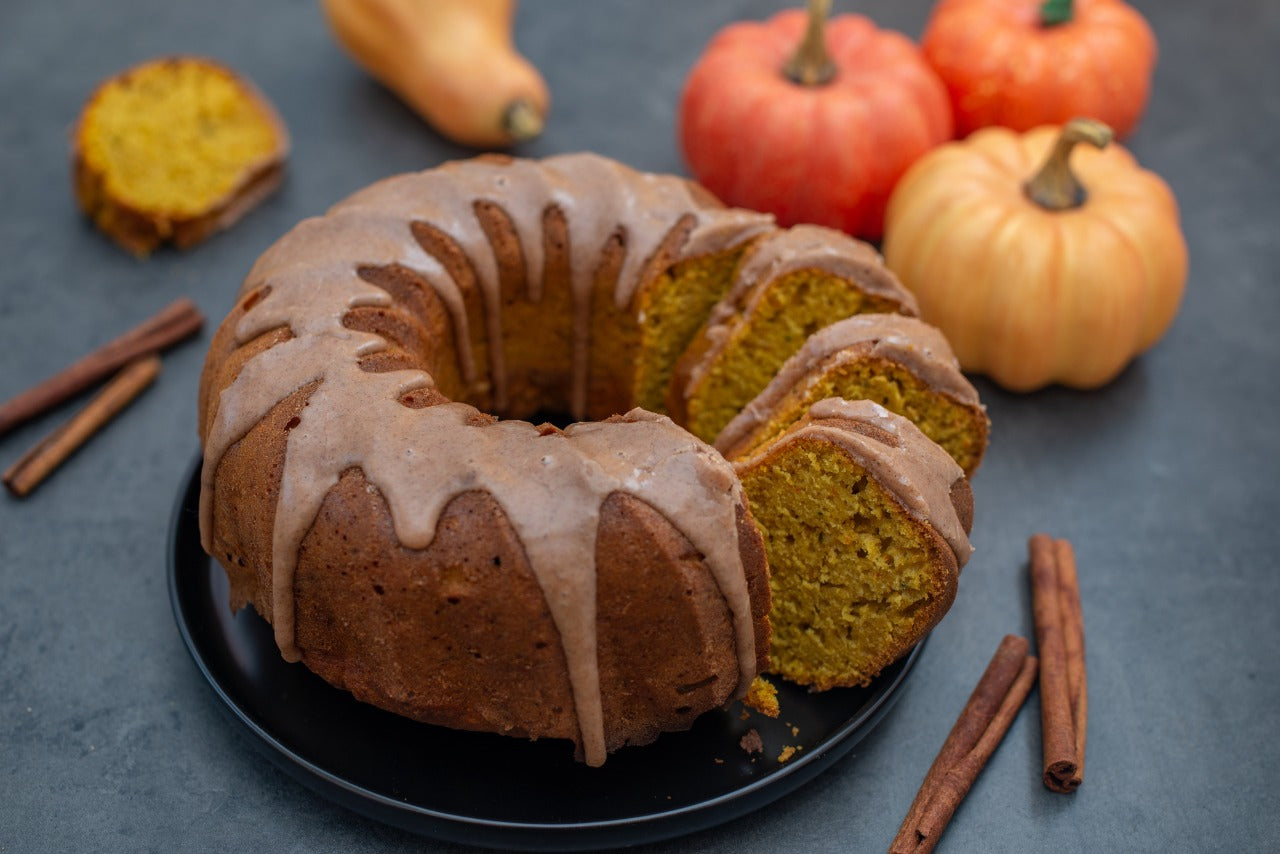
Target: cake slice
788, 285
174, 150
900, 362
865, 523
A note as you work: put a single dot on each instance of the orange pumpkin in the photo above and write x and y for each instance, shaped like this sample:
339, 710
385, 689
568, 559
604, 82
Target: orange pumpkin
1024, 63
1061, 278
810, 121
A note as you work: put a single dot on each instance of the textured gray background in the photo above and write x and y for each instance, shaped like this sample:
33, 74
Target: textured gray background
1165, 480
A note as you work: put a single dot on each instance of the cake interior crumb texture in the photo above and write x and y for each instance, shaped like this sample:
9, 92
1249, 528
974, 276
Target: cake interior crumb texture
675, 305
793, 308
175, 136
852, 574
958, 429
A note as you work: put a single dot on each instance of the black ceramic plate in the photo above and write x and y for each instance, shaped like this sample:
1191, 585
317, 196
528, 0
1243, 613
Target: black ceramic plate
487, 789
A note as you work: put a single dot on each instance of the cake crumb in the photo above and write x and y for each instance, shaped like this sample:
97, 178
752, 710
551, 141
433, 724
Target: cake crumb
763, 697
718, 761
752, 742
795, 730
787, 753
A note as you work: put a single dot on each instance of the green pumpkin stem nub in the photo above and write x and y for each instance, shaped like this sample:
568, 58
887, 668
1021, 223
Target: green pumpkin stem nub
1054, 12
1055, 187
811, 65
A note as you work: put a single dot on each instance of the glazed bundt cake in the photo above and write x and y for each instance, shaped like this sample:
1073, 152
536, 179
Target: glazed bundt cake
602, 583
866, 522
789, 284
902, 363
441, 563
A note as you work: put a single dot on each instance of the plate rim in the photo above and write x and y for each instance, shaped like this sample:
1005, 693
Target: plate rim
580, 835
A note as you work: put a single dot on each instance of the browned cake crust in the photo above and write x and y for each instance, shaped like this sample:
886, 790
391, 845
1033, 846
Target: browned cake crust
463, 634
141, 232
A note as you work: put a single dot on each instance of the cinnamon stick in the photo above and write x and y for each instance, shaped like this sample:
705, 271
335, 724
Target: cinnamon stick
179, 320
955, 784
986, 717
1073, 638
1058, 730
39, 462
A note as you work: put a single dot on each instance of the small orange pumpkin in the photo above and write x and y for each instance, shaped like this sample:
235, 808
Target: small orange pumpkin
1025, 63
810, 121
1061, 278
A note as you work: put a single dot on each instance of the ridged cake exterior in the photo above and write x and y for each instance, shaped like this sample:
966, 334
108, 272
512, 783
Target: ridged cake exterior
333, 458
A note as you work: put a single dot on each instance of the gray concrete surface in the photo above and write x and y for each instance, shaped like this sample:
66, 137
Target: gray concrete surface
1166, 480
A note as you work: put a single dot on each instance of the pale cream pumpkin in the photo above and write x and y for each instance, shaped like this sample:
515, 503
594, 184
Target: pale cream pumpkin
1059, 275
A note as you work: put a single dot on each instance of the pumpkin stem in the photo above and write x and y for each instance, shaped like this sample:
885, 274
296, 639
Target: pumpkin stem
1053, 12
811, 65
1055, 187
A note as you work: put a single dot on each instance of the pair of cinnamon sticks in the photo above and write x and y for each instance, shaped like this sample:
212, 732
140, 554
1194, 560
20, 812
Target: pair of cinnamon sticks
132, 358
1000, 693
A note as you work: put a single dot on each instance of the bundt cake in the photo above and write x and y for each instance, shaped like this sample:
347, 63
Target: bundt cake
441, 563
602, 583
866, 522
789, 284
173, 150
900, 362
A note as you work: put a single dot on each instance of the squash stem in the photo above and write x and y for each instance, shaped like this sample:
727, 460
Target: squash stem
811, 64
1055, 187
1054, 12
521, 120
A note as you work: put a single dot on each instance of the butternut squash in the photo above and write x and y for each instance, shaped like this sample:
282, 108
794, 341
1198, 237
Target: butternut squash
452, 61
